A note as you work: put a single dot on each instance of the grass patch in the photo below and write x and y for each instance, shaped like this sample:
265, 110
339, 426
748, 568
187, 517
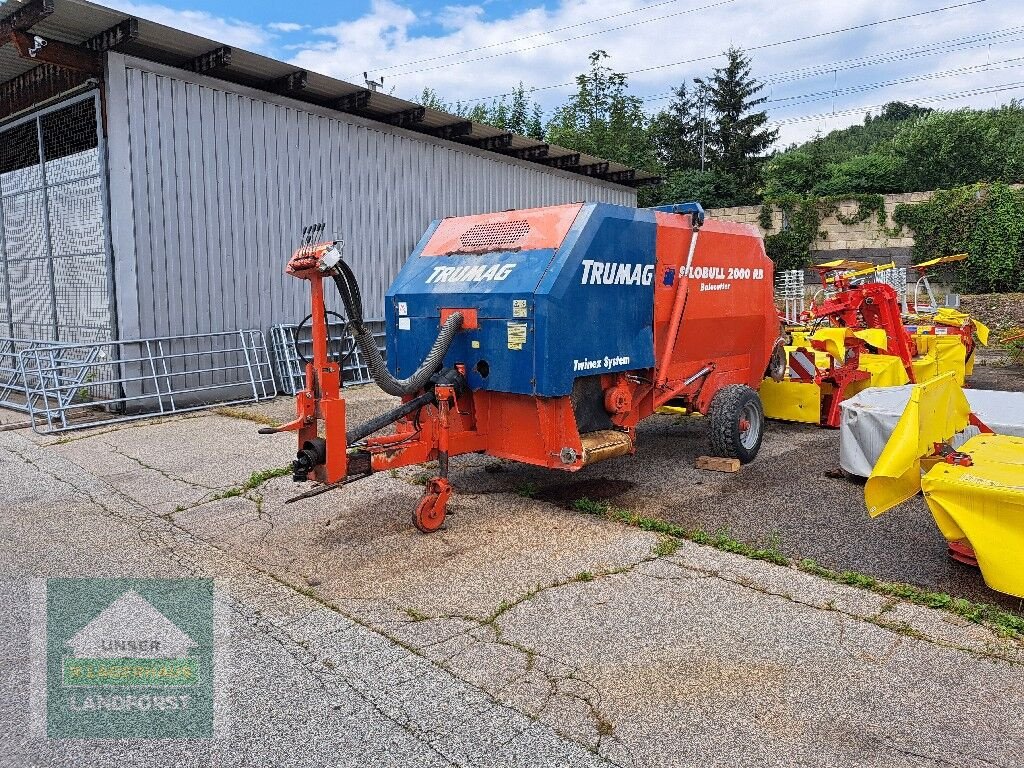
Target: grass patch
245, 415
585, 576
528, 490
1004, 622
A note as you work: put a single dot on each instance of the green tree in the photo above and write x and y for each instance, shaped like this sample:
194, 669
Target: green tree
676, 132
794, 172
962, 147
874, 173
431, 99
517, 114
603, 119
739, 138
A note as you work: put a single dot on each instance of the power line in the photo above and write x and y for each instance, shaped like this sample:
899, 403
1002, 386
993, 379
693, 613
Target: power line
763, 46
708, 7
925, 99
903, 54
526, 37
807, 98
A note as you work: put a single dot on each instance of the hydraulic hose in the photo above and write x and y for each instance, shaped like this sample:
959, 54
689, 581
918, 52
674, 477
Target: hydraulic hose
345, 280
379, 422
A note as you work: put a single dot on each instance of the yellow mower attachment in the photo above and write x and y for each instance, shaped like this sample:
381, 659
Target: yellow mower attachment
975, 492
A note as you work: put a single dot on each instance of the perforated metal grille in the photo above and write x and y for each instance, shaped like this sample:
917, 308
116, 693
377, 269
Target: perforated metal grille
494, 234
53, 228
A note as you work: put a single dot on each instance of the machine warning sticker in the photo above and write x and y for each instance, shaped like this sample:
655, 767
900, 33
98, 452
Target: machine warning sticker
516, 336
518, 307
404, 324
403, 308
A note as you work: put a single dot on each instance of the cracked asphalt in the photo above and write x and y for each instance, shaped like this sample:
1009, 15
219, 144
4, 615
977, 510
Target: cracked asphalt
521, 634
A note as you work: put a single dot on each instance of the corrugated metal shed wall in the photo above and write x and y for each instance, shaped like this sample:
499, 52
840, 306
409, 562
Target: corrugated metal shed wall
210, 187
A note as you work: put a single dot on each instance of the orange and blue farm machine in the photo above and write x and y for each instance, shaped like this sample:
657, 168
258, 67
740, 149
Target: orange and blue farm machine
543, 336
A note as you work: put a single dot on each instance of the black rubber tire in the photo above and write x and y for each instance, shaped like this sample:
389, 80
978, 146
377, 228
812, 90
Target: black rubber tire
724, 414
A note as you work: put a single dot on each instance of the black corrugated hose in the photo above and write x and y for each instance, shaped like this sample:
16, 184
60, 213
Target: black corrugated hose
345, 280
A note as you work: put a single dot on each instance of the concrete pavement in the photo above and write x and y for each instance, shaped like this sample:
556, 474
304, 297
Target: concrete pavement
523, 633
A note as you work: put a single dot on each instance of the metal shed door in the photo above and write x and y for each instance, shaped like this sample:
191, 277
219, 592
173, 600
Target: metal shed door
54, 245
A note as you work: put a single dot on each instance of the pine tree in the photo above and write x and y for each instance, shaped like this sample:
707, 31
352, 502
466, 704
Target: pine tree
676, 132
535, 125
739, 139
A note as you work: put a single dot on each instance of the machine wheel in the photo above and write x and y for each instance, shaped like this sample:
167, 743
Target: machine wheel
433, 504
736, 419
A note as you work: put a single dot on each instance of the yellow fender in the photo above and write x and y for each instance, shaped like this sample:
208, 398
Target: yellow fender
983, 503
937, 410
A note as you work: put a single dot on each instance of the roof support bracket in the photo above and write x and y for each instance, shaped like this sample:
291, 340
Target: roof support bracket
211, 61
493, 143
563, 161
535, 152
25, 17
293, 81
113, 38
406, 117
594, 169
452, 131
355, 102
620, 177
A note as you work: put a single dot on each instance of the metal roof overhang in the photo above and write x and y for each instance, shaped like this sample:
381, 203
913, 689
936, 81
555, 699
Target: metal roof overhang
76, 31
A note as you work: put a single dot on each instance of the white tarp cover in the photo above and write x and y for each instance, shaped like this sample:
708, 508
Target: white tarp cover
868, 418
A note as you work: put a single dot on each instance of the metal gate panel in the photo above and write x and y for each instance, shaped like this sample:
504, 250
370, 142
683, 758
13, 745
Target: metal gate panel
54, 224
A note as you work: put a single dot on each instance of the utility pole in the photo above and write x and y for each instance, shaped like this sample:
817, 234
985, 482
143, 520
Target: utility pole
701, 107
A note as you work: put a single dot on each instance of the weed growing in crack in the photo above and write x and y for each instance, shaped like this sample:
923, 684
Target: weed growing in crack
256, 479
415, 615
421, 479
1005, 623
604, 727
585, 576
667, 545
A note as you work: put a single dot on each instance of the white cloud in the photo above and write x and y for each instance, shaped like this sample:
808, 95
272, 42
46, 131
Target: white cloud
241, 34
286, 26
393, 40
463, 54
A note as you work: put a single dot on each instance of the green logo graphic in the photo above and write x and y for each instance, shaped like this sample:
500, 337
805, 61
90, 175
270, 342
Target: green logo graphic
129, 658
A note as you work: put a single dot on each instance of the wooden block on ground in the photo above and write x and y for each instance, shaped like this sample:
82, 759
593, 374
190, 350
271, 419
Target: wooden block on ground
718, 464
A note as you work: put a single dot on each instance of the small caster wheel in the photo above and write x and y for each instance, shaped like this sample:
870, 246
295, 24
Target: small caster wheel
430, 511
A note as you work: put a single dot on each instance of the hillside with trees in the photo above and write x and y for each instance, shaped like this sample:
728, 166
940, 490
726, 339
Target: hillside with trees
713, 143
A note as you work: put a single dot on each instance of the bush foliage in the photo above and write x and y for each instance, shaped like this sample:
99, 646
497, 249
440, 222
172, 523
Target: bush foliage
985, 221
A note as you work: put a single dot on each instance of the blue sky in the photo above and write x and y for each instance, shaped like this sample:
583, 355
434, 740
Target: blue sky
971, 55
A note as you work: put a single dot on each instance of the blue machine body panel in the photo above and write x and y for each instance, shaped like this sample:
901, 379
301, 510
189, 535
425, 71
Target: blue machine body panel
546, 316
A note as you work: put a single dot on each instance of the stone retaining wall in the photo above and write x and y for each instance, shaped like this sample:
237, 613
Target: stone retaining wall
863, 236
